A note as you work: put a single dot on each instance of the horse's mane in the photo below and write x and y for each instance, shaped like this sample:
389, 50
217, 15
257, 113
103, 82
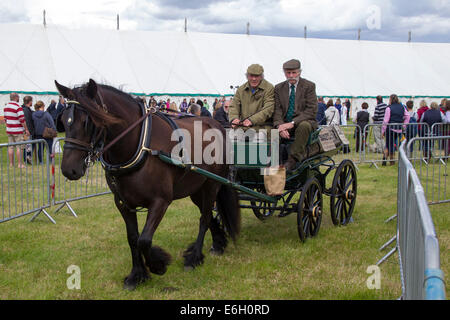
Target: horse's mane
99, 116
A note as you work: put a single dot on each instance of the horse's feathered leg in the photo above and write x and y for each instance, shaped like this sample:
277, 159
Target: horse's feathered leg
138, 272
156, 258
204, 200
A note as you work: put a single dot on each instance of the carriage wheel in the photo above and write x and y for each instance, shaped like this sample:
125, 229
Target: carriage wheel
309, 209
263, 209
343, 193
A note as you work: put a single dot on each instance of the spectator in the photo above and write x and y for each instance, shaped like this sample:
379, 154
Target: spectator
430, 117
168, 104
215, 107
221, 114
16, 128
206, 105
27, 112
395, 113
338, 106
347, 104
377, 118
362, 119
412, 128
173, 106
52, 110
195, 109
204, 111
184, 106
423, 107
447, 121
191, 101
443, 129
321, 108
61, 105
344, 113
332, 114
42, 119
442, 105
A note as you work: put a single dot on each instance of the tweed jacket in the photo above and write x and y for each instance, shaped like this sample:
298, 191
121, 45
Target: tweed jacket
257, 106
305, 103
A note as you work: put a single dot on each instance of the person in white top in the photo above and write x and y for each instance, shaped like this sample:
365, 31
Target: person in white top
344, 115
332, 113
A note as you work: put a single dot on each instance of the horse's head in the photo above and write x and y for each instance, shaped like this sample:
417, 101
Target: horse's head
84, 131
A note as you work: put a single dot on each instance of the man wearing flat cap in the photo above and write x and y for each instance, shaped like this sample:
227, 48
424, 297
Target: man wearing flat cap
252, 105
295, 111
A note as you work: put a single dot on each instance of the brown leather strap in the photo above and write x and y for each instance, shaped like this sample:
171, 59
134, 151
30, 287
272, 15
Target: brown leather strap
120, 136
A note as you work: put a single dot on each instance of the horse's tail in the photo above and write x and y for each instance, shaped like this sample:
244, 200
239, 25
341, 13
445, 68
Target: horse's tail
229, 210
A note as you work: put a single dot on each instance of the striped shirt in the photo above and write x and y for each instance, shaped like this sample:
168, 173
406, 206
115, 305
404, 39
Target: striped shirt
380, 109
14, 118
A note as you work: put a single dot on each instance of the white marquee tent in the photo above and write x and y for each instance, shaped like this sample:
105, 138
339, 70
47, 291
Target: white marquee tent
185, 64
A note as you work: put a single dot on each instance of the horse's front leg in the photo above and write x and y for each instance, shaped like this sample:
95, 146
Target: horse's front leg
156, 258
138, 272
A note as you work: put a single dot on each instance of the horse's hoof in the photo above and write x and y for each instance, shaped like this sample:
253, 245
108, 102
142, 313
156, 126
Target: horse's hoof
130, 283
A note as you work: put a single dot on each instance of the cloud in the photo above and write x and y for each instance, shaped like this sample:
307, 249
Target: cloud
339, 19
13, 12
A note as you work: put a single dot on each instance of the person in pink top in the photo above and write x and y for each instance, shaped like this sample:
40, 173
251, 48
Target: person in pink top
16, 128
395, 113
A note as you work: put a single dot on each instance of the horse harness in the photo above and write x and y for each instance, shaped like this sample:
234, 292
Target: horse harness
96, 148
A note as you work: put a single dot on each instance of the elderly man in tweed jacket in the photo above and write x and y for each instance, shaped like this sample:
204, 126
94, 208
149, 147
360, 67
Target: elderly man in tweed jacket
252, 105
295, 111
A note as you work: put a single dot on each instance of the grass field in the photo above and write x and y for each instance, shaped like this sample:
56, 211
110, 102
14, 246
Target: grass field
267, 262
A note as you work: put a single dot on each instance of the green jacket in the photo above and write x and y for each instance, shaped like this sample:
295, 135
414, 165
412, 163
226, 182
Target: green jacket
257, 107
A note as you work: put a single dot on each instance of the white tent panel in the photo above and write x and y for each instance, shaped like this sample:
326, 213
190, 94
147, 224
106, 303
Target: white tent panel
192, 63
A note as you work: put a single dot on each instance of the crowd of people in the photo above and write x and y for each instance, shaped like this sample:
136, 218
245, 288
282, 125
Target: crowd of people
27, 122
218, 110
23, 123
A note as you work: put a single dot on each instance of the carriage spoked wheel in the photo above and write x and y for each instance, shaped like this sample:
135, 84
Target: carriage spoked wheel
263, 209
343, 193
309, 209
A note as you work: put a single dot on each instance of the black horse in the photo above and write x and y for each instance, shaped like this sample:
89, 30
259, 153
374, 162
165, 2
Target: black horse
102, 122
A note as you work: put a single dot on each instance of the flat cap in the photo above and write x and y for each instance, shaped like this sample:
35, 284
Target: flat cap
255, 69
291, 64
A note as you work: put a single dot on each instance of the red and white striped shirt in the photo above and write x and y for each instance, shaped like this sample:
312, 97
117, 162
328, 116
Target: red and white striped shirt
14, 118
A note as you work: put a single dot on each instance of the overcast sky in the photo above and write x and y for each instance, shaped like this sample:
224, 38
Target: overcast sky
386, 20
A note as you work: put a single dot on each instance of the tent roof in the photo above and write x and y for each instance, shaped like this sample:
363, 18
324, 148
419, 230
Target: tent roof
192, 63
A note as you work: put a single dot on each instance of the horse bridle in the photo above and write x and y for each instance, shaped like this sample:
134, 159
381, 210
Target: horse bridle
97, 137
95, 148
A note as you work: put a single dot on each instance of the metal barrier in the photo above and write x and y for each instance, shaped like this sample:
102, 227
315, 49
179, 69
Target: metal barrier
429, 156
376, 143
25, 190
417, 244
65, 191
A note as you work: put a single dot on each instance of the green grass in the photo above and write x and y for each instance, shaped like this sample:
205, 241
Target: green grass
268, 260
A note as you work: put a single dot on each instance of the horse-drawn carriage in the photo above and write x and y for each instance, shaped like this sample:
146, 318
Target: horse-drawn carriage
143, 175
307, 181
